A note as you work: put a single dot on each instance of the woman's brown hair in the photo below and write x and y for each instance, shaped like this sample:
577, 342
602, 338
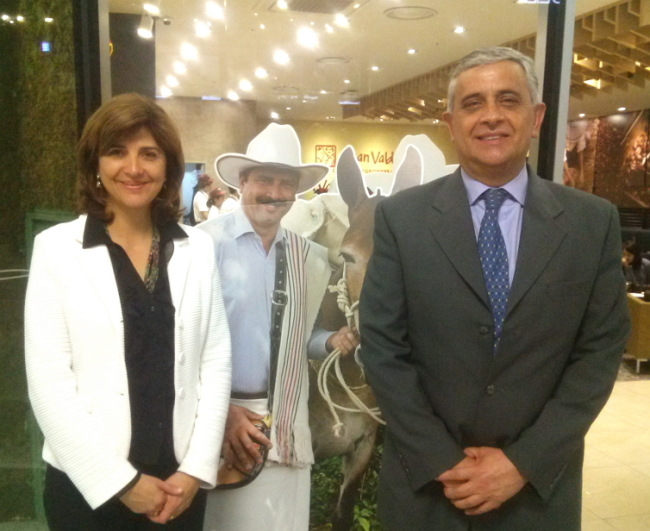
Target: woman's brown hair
114, 122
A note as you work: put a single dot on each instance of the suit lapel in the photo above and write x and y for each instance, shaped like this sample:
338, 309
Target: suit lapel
540, 238
96, 264
452, 227
178, 269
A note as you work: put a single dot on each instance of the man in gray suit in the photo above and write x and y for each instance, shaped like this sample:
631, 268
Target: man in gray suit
492, 320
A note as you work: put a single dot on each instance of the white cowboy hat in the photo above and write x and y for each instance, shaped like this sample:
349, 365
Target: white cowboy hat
277, 146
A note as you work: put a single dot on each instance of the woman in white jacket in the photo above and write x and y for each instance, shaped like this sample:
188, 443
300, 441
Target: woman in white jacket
127, 344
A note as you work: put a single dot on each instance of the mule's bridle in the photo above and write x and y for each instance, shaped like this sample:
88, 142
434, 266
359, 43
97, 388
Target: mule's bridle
334, 358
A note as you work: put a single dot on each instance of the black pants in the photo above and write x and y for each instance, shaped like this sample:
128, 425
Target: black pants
67, 510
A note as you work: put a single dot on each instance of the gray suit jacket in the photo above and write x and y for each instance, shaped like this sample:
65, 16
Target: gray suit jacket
426, 330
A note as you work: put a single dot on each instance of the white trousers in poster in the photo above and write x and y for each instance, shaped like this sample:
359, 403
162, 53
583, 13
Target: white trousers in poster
277, 500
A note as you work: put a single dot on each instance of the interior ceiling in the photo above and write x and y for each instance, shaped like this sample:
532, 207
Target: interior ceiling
611, 38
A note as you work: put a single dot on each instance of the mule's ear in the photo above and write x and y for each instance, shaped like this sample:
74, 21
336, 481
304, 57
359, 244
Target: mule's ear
349, 178
409, 173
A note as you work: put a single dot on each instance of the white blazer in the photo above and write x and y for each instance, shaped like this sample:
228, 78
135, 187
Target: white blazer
76, 373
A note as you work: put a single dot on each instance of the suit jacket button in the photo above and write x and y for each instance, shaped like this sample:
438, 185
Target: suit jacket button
490, 390
484, 330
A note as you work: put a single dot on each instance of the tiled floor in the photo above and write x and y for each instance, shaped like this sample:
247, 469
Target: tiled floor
616, 489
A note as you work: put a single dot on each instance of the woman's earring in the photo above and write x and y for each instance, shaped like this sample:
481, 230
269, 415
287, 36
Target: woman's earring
99, 181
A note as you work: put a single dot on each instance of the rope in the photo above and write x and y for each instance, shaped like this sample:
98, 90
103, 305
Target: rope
334, 361
22, 275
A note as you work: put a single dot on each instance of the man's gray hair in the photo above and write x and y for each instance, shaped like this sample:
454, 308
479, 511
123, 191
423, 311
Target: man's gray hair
491, 55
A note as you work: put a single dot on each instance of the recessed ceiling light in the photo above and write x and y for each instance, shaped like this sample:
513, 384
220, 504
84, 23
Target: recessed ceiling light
232, 95
459, 29
189, 52
245, 85
621, 109
201, 29
261, 73
346, 81
410, 12
375, 68
49, 20
281, 57
329, 29
323, 92
179, 68
288, 108
412, 51
307, 37
172, 81
165, 92
214, 10
341, 20
581, 115
5, 17
637, 63
20, 18
356, 6
262, 26
152, 9
274, 116
436, 121
282, 4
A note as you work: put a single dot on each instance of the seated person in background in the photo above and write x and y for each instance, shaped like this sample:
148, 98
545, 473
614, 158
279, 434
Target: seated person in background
231, 203
635, 267
215, 202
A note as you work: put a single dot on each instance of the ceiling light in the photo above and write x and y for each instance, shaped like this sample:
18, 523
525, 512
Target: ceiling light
346, 81
281, 57
232, 95
274, 116
179, 68
189, 52
245, 85
151, 9
5, 17
637, 63
410, 13
357, 6
459, 29
214, 10
49, 20
621, 109
201, 29
145, 29
211, 98
375, 68
172, 81
581, 115
329, 29
262, 26
261, 73
341, 20
307, 37
597, 83
412, 51
282, 4
288, 108
436, 121
165, 92
323, 92
20, 18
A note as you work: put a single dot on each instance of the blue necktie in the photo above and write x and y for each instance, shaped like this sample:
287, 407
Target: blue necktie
494, 258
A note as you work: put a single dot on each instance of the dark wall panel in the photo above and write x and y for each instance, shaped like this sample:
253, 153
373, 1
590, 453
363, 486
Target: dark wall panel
133, 62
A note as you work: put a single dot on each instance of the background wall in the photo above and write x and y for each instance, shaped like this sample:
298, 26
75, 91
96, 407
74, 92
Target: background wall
211, 128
